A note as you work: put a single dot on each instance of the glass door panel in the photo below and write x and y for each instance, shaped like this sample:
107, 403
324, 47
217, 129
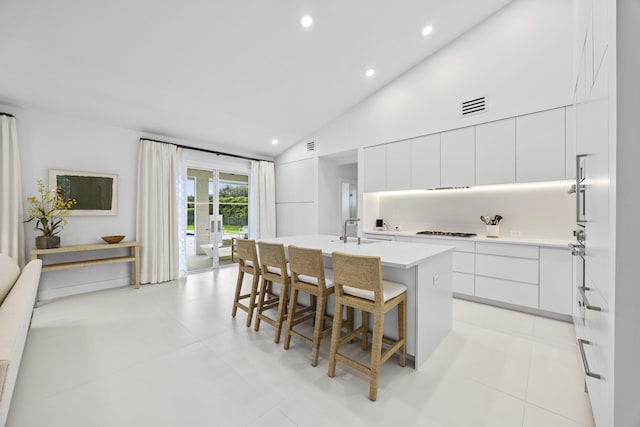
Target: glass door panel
200, 250
233, 208
217, 215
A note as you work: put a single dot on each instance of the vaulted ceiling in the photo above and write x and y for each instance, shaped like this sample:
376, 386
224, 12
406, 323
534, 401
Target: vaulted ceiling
235, 73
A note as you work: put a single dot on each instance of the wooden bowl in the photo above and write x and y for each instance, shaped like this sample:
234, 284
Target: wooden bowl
112, 239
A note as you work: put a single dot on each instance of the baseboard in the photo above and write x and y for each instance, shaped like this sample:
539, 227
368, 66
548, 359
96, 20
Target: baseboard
529, 310
48, 294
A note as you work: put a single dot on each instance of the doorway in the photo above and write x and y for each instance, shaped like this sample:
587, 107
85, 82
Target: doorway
217, 215
349, 204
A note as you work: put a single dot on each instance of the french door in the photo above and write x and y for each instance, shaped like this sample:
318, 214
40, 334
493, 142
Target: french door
217, 215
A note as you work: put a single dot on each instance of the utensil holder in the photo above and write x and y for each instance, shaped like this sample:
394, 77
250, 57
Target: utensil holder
493, 230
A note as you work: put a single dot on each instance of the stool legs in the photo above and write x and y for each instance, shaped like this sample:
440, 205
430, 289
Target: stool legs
237, 296
402, 323
376, 354
318, 328
252, 297
263, 305
335, 338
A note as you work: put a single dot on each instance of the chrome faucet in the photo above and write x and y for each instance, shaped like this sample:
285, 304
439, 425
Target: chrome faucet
350, 220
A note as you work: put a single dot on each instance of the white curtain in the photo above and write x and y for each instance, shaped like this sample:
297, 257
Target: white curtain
11, 226
158, 213
263, 200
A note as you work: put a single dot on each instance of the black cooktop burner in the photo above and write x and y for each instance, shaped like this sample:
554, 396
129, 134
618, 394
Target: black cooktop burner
446, 233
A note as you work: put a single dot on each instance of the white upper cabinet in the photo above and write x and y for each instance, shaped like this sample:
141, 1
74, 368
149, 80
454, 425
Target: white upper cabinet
570, 141
398, 166
294, 181
535, 147
600, 18
540, 146
425, 162
375, 159
496, 152
457, 150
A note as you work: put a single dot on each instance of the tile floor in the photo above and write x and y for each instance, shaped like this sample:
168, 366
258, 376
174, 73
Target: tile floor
171, 355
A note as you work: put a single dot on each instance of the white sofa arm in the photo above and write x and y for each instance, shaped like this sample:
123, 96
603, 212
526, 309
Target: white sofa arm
15, 317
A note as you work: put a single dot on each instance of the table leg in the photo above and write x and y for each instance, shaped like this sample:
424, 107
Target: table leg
136, 266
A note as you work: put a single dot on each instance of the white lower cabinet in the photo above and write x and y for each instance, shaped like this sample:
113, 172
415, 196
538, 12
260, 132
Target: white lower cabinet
464, 283
507, 268
525, 294
463, 261
555, 274
530, 276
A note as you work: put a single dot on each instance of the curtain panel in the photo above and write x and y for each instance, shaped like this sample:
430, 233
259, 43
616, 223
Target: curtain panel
11, 218
158, 210
263, 200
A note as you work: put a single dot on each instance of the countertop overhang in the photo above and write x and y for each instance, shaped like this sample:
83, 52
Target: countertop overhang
479, 238
392, 254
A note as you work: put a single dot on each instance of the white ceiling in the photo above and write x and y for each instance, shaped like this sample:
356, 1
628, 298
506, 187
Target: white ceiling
233, 73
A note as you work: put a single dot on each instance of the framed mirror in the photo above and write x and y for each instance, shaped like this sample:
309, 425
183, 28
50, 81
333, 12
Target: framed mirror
95, 193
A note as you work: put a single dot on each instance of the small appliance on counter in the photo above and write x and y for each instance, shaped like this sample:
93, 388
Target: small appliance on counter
381, 225
493, 225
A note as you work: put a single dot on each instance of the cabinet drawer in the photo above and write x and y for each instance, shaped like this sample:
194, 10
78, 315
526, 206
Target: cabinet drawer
460, 245
463, 283
507, 291
517, 269
520, 251
464, 262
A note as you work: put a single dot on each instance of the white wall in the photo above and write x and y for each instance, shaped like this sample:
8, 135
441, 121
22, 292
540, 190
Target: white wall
520, 58
55, 141
540, 211
49, 140
330, 193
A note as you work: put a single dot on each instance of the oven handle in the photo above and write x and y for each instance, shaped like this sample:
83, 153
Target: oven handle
587, 371
576, 249
585, 301
579, 188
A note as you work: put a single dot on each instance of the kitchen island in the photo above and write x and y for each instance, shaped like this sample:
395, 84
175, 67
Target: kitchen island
425, 270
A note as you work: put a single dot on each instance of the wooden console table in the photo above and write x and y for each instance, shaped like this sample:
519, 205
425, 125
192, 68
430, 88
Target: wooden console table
133, 257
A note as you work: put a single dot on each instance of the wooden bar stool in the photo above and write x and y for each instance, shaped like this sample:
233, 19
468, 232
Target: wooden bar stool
273, 265
308, 275
247, 263
358, 282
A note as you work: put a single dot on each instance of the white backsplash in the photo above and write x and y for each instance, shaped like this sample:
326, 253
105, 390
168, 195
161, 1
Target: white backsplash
544, 210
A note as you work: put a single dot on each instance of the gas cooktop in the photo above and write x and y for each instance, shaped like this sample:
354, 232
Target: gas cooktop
446, 233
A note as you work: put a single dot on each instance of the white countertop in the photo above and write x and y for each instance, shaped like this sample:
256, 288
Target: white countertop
480, 238
392, 254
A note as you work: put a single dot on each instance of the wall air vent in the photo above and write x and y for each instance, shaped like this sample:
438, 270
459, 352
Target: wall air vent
474, 106
311, 146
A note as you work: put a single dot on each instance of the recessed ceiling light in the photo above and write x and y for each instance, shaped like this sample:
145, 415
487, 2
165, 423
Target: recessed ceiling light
274, 141
370, 72
427, 30
306, 21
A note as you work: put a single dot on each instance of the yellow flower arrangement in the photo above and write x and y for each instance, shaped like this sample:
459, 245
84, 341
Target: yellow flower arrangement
49, 210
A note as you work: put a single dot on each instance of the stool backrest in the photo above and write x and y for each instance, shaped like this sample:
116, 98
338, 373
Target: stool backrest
357, 271
247, 252
308, 262
272, 255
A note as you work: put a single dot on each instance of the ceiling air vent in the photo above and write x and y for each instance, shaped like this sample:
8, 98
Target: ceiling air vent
474, 106
311, 146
